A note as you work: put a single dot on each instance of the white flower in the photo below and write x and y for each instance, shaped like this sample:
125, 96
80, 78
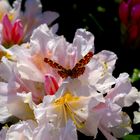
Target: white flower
28, 130
51, 132
17, 26
137, 113
21, 131
68, 104
44, 44
14, 94
33, 10
114, 120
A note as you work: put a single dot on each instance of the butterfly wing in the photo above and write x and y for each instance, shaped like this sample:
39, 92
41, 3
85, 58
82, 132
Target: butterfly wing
80, 66
61, 70
63, 74
53, 64
85, 60
76, 71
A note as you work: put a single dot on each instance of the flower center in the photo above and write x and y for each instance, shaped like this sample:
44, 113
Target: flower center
6, 54
69, 105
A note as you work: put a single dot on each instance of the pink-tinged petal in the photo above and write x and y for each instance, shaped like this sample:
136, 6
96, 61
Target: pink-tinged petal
106, 133
133, 32
17, 32
7, 28
123, 13
51, 85
135, 13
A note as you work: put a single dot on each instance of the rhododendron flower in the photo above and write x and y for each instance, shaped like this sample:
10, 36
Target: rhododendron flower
64, 86
137, 113
5, 8
17, 25
55, 133
44, 44
22, 131
68, 105
114, 120
32, 74
14, 94
129, 12
11, 34
29, 130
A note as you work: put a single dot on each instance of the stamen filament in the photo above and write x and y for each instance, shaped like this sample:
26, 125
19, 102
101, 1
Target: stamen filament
74, 117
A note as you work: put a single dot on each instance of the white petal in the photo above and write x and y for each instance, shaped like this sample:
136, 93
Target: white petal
6, 70
91, 124
4, 113
131, 97
123, 86
16, 9
4, 6
123, 93
136, 117
44, 132
51, 132
106, 133
3, 133
54, 28
23, 130
49, 17
40, 38
19, 108
84, 41
108, 58
34, 5
104, 84
69, 132
124, 128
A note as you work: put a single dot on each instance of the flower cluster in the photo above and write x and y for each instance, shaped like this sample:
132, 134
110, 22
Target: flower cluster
129, 12
50, 88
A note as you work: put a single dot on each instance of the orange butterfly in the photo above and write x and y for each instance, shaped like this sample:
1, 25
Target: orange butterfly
78, 69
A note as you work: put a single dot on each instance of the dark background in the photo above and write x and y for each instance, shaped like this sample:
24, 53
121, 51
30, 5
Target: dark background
105, 25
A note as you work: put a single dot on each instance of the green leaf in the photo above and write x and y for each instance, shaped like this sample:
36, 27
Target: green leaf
135, 76
118, 1
131, 137
101, 9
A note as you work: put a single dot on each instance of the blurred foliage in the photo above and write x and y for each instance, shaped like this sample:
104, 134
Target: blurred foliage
135, 76
132, 137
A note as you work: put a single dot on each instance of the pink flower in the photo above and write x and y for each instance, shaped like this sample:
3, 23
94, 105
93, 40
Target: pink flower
129, 13
51, 85
17, 31
11, 33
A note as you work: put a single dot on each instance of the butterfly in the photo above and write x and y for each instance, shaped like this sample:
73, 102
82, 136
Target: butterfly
78, 69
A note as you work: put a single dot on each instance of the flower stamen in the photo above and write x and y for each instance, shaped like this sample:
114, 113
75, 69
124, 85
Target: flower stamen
68, 110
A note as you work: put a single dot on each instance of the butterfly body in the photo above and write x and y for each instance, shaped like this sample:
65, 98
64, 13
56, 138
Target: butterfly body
78, 69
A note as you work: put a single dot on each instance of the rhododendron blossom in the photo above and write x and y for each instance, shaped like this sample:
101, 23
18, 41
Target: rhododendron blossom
114, 120
51, 88
11, 34
61, 87
129, 12
17, 25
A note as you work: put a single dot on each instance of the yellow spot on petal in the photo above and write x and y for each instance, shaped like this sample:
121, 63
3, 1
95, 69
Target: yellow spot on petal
69, 102
6, 54
105, 68
65, 99
6, 126
11, 16
126, 123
